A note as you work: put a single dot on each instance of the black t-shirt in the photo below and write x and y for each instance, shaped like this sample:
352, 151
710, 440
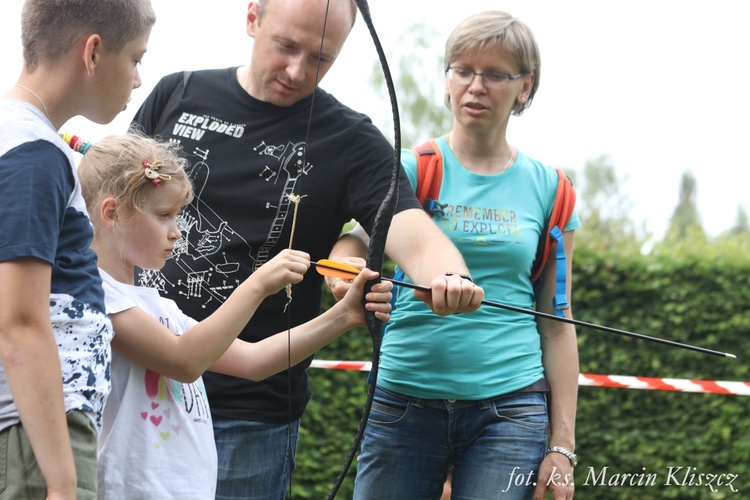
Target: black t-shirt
246, 156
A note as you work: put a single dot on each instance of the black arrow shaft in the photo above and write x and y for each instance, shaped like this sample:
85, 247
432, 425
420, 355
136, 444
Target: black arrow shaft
593, 326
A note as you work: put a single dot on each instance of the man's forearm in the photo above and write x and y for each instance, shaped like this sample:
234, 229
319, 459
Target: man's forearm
351, 244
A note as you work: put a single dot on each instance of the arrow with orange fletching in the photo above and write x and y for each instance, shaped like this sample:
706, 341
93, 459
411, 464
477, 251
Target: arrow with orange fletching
327, 267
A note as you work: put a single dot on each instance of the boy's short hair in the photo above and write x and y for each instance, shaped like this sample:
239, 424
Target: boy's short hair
49, 28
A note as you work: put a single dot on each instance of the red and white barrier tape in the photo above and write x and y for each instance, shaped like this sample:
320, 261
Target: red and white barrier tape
617, 381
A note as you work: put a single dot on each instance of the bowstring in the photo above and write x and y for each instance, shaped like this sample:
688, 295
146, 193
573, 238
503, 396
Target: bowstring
296, 193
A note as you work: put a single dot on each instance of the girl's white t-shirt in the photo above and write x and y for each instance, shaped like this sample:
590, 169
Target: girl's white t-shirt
157, 437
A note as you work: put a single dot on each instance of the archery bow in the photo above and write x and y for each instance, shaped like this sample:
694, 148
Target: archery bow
330, 268
376, 250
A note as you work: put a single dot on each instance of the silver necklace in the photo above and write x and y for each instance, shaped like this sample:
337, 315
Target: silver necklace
507, 164
46, 112
450, 145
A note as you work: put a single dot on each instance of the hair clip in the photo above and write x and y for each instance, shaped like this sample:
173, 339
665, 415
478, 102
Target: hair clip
150, 171
76, 143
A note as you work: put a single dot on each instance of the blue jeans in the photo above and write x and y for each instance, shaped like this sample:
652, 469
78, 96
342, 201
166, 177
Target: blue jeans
495, 447
255, 461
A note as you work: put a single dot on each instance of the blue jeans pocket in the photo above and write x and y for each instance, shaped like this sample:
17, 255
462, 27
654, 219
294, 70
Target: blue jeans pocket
525, 409
388, 408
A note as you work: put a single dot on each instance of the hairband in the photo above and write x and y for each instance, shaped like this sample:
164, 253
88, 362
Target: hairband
150, 171
76, 143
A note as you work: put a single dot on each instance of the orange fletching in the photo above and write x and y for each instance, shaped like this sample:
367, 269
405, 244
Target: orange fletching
335, 269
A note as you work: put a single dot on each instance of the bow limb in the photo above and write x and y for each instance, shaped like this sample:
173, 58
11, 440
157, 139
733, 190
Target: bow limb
376, 250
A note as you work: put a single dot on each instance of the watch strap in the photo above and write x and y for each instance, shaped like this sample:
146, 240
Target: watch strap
559, 449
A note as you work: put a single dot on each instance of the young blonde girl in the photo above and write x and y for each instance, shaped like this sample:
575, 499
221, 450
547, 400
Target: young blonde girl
157, 439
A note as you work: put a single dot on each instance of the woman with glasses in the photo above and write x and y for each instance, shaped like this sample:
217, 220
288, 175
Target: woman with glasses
490, 395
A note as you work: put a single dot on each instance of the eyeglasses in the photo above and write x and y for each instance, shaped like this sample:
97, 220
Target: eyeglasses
491, 79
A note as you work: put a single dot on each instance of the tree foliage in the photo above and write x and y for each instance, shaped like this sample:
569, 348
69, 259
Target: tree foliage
685, 223
741, 223
604, 209
418, 75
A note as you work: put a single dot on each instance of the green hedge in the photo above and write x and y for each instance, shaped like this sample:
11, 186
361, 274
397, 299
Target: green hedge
697, 296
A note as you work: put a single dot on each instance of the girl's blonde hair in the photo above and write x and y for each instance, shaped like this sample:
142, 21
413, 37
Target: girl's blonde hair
114, 168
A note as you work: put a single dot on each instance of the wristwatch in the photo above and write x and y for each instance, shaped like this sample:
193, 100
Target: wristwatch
559, 449
464, 276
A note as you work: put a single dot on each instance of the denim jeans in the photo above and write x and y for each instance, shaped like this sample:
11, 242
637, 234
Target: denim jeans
495, 447
254, 458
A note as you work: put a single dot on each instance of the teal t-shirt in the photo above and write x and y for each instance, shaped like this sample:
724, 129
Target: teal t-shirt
496, 222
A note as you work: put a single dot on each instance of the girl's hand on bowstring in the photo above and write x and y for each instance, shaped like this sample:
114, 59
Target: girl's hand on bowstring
288, 267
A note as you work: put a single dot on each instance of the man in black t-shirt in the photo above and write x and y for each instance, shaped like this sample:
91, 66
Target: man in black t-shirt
245, 131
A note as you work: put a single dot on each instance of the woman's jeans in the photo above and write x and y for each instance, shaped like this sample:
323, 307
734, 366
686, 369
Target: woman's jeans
495, 447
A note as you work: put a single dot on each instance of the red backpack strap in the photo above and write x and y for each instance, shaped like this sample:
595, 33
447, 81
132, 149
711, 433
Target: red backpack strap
429, 171
562, 210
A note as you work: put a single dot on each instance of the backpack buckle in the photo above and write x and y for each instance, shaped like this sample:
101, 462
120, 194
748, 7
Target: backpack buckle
433, 207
